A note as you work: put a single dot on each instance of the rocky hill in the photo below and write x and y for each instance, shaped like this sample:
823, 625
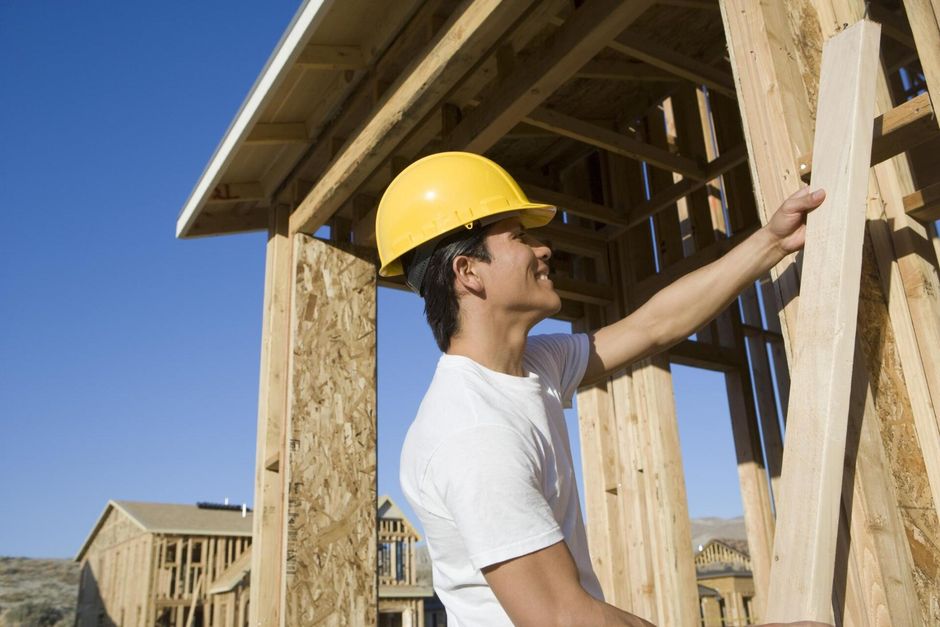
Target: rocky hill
37, 592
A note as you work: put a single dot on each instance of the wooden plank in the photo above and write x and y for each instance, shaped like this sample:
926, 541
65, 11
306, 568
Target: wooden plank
907, 125
613, 141
330, 466
808, 512
924, 204
266, 562
320, 57
579, 39
468, 34
924, 18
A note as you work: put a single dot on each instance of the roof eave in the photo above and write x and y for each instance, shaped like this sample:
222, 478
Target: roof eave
292, 41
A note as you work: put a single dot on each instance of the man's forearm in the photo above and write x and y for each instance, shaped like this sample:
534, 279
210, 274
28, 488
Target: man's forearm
684, 306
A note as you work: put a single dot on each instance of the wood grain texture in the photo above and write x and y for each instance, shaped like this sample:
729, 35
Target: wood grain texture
266, 561
330, 527
808, 506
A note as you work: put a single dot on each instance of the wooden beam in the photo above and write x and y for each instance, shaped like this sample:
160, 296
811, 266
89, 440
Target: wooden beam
572, 204
924, 18
668, 196
580, 38
622, 70
645, 49
907, 125
468, 34
219, 222
573, 239
330, 464
705, 355
264, 134
808, 508
612, 141
924, 204
320, 57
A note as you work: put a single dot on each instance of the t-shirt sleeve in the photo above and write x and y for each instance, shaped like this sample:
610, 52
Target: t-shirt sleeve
488, 479
563, 358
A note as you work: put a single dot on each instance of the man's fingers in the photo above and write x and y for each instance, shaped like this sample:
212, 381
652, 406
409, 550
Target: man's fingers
804, 200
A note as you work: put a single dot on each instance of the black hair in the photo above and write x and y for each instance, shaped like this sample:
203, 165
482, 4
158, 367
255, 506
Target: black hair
441, 307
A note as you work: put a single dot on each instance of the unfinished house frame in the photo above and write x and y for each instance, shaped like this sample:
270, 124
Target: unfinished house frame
666, 132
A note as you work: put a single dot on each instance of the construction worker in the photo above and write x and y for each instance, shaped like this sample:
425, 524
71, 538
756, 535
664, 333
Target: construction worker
486, 464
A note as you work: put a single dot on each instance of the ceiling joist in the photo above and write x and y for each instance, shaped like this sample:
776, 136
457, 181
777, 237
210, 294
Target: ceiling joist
612, 141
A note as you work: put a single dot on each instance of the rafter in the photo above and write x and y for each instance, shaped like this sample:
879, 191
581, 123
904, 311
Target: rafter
466, 37
576, 42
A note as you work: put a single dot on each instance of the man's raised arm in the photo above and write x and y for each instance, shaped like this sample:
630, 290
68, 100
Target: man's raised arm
678, 310
542, 589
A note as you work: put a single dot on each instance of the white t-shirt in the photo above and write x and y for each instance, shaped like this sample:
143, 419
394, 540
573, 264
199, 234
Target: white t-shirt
486, 465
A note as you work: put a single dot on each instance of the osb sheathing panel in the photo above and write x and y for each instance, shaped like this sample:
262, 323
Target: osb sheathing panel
331, 525
905, 460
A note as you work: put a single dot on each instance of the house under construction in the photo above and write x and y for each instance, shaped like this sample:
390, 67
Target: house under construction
666, 132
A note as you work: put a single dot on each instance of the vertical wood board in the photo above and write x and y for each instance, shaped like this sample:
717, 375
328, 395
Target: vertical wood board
808, 510
330, 528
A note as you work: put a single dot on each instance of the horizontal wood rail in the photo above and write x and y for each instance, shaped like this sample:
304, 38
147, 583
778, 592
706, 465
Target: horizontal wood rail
895, 131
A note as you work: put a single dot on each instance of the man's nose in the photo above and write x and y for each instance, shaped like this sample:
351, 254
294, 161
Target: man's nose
542, 251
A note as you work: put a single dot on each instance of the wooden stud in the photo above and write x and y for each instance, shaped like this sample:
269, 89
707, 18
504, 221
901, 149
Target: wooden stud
266, 562
807, 510
924, 19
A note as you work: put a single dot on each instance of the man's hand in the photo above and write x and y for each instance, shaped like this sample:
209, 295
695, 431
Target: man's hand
788, 224
543, 589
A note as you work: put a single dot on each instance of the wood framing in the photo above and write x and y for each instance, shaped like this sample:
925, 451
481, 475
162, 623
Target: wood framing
330, 517
467, 36
767, 54
808, 506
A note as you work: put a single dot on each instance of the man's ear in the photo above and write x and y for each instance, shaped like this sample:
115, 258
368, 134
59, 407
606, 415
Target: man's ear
466, 275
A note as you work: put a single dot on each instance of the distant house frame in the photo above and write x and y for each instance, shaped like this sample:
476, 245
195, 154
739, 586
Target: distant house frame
663, 153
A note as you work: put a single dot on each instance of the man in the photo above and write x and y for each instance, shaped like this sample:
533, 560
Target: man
487, 464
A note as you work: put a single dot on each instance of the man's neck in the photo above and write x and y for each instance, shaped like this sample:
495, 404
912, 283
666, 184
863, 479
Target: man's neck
494, 343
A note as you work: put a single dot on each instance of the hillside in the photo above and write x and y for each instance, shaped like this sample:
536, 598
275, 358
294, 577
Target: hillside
37, 592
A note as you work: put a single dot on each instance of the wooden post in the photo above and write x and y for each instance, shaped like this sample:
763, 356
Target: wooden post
330, 503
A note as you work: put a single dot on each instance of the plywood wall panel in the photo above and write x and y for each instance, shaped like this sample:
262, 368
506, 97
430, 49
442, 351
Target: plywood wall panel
330, 530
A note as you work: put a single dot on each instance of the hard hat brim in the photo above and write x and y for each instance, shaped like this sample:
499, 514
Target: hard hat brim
531, 215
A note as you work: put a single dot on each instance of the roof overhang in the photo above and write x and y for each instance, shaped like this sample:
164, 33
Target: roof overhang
304, 24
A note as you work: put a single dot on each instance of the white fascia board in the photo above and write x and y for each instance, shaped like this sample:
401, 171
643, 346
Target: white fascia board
295, 37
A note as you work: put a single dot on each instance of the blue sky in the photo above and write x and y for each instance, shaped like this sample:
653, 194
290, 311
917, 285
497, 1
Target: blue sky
129, 359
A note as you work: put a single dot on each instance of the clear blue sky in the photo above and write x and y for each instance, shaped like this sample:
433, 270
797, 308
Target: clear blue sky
129, 358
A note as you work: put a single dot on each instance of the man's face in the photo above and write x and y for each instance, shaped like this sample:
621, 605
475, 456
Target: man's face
516, 279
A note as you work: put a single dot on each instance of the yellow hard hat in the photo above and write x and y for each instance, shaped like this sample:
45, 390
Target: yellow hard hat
444, 192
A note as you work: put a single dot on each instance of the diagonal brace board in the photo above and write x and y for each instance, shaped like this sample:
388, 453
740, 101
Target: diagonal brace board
808, 507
